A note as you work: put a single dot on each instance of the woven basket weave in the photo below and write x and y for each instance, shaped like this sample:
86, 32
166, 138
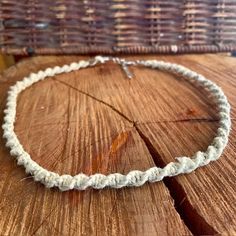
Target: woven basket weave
117, 26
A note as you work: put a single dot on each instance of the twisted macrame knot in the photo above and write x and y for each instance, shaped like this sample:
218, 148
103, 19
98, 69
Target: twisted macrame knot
116, 180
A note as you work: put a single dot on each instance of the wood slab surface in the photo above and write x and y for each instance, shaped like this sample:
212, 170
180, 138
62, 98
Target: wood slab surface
96, 120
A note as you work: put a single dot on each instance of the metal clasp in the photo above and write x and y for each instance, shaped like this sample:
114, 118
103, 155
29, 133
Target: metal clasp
122, 62
124, 65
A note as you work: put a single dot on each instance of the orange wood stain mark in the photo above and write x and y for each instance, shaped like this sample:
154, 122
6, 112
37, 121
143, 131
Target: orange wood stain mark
102, 161
118, 142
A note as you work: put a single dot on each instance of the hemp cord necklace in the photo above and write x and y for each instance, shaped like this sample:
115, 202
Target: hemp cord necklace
116, 180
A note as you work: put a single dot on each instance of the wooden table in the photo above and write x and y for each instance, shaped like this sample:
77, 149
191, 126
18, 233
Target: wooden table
95, 120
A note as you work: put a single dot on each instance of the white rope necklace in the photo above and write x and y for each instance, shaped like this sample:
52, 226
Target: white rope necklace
116, 180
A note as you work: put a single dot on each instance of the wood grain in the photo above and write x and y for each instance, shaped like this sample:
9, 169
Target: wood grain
5, 61
95, 120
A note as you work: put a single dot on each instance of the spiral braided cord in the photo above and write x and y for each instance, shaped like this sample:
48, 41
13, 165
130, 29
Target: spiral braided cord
116, 180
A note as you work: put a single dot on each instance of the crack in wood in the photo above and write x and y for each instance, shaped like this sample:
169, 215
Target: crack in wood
96, 99
192, 219
200, 119
189, 215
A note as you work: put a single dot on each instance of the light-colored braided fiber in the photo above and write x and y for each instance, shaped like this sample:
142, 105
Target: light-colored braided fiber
116, 180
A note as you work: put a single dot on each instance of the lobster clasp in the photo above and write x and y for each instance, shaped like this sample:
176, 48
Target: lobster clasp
122, 62
124, 65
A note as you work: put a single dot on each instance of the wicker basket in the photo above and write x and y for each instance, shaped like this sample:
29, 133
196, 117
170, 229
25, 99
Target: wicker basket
117, 26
